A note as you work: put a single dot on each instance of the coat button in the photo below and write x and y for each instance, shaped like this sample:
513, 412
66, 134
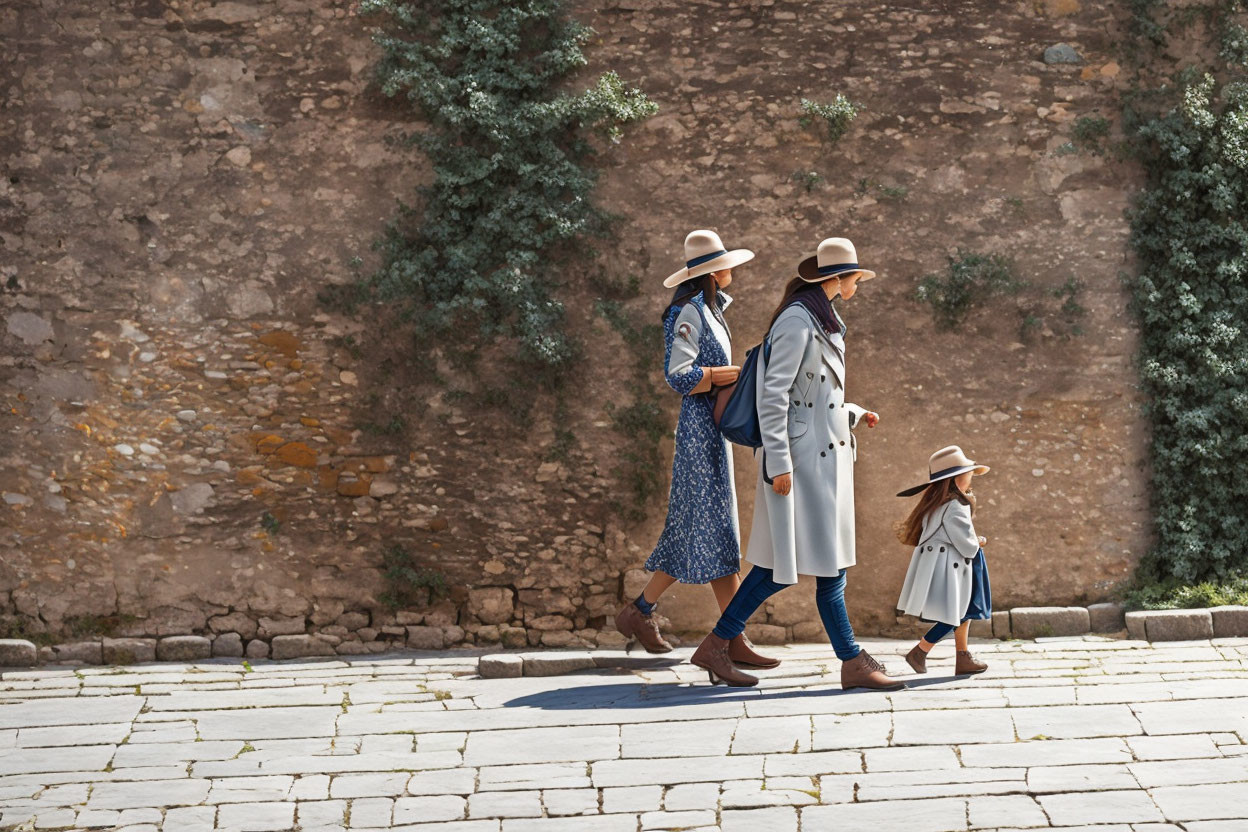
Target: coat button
823, 378
823, 453
942, 548
929, 548
955, 566
830, 445
810, 404
842, 441
831, 407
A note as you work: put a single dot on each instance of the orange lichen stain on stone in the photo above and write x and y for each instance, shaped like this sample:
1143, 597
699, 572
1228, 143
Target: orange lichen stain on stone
266, 443
328, 476
282, 341
298, 454
338, 435
302, 386
267, 546
353, 488
84, 427
302, 478
248, 476
376, 464
296, 364
309, 422
258, 492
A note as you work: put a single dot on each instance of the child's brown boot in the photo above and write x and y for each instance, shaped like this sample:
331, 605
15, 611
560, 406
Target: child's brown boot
917, 659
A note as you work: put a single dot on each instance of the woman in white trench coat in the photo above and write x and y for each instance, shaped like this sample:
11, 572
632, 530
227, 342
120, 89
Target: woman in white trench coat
804, 506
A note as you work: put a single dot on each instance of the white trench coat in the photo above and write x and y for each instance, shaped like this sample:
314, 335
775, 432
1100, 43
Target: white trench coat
938, 582
806, 427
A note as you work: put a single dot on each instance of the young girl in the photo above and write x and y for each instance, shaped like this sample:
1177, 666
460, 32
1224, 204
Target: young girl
947, 582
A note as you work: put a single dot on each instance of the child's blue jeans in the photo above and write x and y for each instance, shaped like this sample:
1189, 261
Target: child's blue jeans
758, 586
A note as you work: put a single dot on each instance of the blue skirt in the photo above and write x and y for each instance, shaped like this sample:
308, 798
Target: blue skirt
980, 606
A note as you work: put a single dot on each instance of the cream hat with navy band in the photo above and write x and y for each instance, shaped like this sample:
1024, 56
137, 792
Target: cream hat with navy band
945, 463
705, 253
835, 257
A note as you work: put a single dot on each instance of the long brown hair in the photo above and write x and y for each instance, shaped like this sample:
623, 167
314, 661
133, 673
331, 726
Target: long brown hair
910, 531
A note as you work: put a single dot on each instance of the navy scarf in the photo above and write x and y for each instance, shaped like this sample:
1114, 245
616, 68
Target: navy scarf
820, 307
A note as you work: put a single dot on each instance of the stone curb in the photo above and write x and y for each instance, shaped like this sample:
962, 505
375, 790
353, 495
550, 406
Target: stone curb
1142, 625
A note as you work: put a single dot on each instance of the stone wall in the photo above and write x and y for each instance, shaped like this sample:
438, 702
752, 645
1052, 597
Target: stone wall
193, 443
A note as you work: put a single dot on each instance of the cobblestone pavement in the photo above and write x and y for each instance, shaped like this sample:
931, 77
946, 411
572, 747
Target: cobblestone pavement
1115, 735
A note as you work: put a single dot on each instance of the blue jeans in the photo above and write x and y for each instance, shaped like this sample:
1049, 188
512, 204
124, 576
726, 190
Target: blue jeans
938, 632
758, 586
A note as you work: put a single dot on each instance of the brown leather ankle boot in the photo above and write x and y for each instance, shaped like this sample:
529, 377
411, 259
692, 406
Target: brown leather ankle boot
967, 664
917, 659
632, 624
712, 656
742, 653
862, 671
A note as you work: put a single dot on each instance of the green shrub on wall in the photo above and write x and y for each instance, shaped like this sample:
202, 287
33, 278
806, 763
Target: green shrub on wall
1190, 232
509, 146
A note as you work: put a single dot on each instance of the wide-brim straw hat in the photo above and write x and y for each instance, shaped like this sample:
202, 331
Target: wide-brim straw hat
705, 253
945, 463
835, 257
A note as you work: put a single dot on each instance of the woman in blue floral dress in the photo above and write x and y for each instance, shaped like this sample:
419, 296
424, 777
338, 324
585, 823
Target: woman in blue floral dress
701, 540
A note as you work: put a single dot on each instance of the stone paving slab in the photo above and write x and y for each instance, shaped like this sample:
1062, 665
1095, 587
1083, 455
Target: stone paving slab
1073, 733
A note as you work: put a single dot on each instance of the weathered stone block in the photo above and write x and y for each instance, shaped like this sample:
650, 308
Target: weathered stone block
17, 652
501, 666
129, 650
1135, 625
442, 614
257, 649
1178, 625
1001, 624
1229, 622
554, 664
353, 620
981, 628
556, 638
514, 637
549, 622
765, 633
282, 626
1042, 622
487, 634
425, 638
1106, 618
235, 622
86, 652
452, 635
183, 648
300, 646
229, 645
492, 604
808, 632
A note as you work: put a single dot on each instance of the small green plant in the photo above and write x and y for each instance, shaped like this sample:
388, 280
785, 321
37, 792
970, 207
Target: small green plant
391, 427
247, 668
1171, 594
1015, 203
270, 523
642, 421
970, 280
867, 185
1089, 133
808, 179
835, 117
408, 584
1071, 310
1029, 324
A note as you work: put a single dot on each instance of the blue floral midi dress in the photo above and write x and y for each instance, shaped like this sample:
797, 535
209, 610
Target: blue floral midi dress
701, 539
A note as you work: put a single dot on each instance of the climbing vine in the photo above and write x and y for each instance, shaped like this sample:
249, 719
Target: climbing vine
510, 148
1190, 233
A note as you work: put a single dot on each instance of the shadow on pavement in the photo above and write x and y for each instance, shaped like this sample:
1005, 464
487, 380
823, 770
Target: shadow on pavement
641, 694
